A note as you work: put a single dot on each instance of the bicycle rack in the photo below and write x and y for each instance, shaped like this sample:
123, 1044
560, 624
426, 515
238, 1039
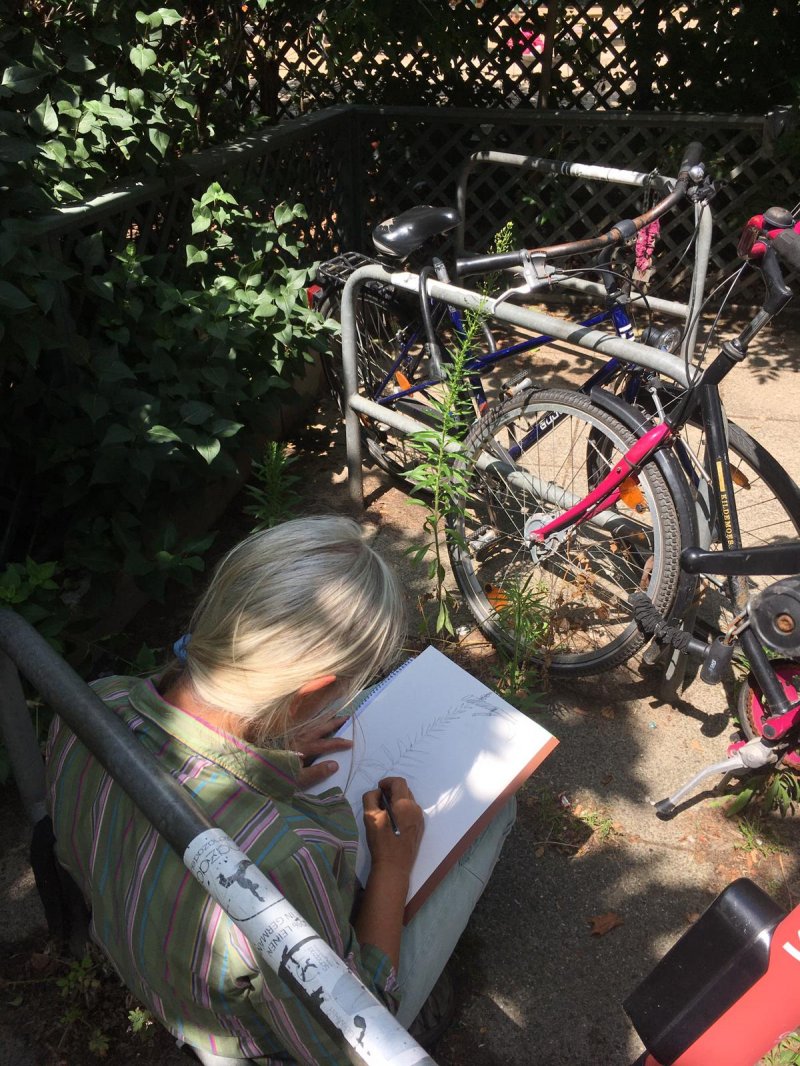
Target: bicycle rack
671, 366
364, 1029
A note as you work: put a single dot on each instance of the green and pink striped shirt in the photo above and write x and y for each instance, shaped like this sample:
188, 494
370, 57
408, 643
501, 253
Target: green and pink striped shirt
173, 946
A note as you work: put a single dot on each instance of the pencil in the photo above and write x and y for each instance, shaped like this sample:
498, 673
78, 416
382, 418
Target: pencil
387, 806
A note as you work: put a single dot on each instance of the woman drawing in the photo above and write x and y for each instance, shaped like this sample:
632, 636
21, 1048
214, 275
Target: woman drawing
294, 623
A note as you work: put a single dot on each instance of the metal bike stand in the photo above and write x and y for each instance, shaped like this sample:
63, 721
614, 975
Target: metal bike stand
595, 340
364, 1029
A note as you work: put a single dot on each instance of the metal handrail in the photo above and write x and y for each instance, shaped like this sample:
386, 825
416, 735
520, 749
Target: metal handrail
333, 995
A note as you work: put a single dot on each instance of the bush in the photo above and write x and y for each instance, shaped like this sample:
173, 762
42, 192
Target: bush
170, 378
130, 380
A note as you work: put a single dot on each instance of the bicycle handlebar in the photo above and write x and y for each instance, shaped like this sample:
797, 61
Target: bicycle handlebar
623, 231
765, 240
691, 157
787, 245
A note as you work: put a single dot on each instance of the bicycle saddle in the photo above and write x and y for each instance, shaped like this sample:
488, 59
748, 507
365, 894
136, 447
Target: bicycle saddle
399, 236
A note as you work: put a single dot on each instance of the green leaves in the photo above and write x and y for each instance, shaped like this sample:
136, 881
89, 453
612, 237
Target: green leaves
142, 58
195, 412
160, 140
43, 119
12, 298
195, 255
175, 365
165, 16
19, 79
162, 435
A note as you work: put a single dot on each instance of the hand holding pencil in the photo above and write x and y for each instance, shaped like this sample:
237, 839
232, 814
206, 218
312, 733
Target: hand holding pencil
394, 824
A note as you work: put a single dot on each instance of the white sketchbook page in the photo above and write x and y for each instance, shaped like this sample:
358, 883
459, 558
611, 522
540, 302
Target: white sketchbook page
457, 743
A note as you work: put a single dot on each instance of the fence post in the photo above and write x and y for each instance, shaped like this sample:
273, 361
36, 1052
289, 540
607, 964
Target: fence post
354, 198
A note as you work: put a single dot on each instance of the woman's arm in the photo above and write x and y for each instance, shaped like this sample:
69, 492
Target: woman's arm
380, 917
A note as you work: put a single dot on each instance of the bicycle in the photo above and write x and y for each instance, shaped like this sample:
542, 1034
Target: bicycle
404, 346
581, 518
399, 379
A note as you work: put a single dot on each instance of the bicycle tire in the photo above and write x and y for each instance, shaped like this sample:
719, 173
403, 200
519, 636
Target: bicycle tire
383, 327
751, 705
768, 508
581, 584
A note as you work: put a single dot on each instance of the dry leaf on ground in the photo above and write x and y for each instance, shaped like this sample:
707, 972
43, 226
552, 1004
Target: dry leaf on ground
604, 923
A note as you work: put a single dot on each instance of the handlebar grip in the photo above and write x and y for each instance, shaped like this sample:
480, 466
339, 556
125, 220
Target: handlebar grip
691, 157
483, 264
787, 245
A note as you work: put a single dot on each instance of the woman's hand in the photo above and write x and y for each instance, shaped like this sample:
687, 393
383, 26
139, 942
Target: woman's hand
380, 919
387, 848
314, 740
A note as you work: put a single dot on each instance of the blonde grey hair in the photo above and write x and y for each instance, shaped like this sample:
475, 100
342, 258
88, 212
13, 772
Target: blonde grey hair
307, 598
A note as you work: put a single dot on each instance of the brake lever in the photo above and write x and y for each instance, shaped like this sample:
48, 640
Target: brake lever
703, 191
538, 275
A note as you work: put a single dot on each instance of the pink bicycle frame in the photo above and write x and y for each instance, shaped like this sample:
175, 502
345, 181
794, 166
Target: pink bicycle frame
606, 494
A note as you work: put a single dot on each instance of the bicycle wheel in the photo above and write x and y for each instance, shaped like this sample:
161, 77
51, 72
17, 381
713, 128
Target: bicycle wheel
752, 708
768, 507
391, 356
564, 604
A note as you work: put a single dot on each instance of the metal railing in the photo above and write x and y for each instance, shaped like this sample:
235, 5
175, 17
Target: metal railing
334, 996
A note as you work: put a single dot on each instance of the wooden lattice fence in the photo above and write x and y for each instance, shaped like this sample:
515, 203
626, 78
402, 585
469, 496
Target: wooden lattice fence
414, 155
581, 54
353, 166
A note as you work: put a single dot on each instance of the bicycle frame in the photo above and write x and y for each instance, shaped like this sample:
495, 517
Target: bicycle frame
476, 365
607, 493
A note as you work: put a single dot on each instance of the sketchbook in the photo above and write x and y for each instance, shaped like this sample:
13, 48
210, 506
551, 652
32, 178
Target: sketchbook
462, 748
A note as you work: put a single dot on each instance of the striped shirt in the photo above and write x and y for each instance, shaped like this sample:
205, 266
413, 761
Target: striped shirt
173, 946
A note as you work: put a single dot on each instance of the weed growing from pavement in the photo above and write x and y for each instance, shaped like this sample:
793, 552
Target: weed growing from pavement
600, 822
786, 1054
436, 478
273, 497
756, 836
75, 1010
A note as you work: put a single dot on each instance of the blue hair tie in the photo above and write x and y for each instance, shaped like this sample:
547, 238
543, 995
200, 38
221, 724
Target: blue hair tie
180, 646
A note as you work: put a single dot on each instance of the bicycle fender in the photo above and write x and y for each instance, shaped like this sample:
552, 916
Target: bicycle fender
638, 422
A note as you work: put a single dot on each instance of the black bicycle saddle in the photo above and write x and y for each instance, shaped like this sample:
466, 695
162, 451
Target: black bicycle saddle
399, 236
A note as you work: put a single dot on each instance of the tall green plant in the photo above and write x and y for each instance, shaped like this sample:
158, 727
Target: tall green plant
436, 477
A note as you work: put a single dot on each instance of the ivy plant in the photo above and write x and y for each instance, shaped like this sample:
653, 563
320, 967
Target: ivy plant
169, 377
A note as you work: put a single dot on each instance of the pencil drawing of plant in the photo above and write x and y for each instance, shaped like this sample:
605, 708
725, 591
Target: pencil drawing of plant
407, 755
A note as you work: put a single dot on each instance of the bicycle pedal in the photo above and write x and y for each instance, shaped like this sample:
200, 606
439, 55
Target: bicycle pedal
517, 383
